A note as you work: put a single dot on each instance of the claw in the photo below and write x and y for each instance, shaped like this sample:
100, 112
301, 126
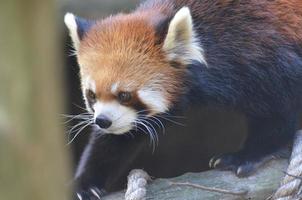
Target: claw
91, 193
79, 196
243, 164
96, 193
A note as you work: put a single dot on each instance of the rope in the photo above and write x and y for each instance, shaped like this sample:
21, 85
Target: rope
291, 185
136, 187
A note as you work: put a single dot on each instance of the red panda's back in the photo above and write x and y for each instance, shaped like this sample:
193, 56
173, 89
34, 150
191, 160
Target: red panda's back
284, 16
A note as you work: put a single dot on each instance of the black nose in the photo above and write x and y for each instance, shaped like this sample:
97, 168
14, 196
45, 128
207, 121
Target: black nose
103, 122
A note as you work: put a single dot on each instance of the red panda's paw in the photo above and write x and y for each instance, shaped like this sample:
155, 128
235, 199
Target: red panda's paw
92, 193
242, 164
224, 162
239, 165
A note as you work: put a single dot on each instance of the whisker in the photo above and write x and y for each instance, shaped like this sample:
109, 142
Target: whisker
167, 114
77, 118
154, 132
82, 116
173, 116
160, 122
156, 121
141, 123
78, 115
79, 132
141, 111
150, 133
72, 51
143, 130
170, 120
135, 125
78, 106
75, 127
131, 134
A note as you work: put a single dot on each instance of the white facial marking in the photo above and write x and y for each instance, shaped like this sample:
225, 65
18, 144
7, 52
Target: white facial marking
154, 99
114, 88
88, 83
181, 42
122, 117
71, 24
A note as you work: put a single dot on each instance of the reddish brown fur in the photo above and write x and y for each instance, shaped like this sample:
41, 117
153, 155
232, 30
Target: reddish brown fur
123, 50
284, 15
289, 15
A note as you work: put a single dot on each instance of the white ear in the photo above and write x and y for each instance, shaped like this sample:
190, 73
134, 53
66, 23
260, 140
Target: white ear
70, 22
180, 43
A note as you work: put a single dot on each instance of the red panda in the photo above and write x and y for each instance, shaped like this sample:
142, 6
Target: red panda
241, 54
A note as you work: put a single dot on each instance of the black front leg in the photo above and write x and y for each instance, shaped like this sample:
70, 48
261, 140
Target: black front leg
267, 139
89, 173
103, 164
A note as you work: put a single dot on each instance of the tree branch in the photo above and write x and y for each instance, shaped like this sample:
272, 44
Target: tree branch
211, 189
214, 184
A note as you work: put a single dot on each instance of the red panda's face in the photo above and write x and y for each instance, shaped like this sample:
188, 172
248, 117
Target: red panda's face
127, 74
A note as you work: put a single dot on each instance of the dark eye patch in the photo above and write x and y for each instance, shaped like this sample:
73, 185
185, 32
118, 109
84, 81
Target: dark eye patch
137, 104
90, 95
140, 107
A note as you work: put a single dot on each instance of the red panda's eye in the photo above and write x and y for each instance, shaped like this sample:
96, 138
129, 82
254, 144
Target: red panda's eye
124, 97
91, 95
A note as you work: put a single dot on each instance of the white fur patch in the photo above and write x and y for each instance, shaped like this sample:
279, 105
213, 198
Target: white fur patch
180, 42
88, 83
114, 88
122, 117
154, 99
71, 24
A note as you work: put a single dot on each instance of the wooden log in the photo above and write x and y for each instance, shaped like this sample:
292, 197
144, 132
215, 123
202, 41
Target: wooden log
259, 186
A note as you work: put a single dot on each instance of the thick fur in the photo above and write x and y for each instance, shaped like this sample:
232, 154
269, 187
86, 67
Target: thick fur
253, 65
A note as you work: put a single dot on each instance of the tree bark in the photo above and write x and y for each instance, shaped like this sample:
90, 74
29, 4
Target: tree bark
32, 155
259, 186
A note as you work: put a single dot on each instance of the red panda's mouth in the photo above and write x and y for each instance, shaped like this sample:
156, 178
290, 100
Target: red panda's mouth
114, 118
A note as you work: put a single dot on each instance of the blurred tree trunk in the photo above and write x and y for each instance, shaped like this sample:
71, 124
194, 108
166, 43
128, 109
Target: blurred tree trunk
32, 155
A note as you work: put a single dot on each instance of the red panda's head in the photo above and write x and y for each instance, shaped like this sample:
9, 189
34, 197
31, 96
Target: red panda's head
129, 68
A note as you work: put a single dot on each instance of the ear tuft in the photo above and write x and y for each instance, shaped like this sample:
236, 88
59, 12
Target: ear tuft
180, 44
70, 22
